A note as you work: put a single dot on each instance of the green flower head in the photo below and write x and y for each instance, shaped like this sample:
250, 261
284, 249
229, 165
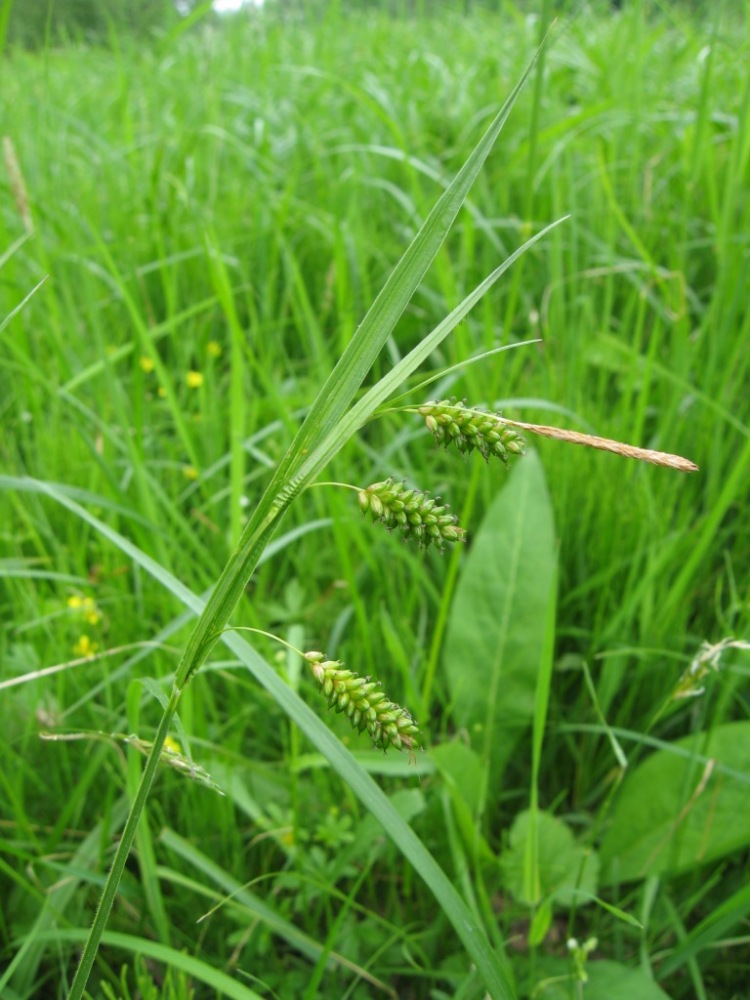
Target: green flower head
451, 422
414, 513
365, 704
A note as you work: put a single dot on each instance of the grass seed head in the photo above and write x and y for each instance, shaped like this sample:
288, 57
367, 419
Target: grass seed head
365, 704
414, 513
451, 422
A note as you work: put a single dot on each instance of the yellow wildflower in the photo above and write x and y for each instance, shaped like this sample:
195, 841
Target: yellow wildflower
87, 606
147, 365
194, 380
189, 472
213, 349
92, 614
85, 647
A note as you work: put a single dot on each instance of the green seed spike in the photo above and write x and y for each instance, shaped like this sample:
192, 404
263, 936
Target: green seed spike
451, 422
415, 514
365, 705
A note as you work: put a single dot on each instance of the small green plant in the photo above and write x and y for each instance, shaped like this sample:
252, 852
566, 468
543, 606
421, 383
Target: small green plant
174, 986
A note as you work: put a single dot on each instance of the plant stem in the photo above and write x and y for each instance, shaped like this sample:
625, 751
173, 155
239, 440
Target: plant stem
123, 850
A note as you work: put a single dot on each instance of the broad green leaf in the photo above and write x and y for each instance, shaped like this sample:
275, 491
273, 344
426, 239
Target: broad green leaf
565, 867
462, 771
540, 923
676, 812
495, 637
613, 981
606, 981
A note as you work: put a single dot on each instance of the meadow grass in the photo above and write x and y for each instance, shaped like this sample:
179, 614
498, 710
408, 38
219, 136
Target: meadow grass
213, 215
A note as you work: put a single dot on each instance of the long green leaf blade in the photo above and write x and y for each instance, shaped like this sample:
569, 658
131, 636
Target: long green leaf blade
341, 385
364, 408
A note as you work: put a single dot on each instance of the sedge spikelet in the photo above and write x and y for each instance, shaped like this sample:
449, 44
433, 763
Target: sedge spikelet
413, 512
365, 704
451, 422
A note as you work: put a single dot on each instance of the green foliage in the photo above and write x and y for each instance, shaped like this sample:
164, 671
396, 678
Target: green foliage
685, 806
173, 987
498, 616
565, 868
604, 981
191, 231
613, 981
36, 23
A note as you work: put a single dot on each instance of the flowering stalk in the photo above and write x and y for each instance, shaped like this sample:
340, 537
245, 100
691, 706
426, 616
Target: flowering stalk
706, 660
413, 512
451, 422
366, 706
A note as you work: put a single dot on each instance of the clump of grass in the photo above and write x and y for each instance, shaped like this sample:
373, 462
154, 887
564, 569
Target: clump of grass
334, 417
649, 333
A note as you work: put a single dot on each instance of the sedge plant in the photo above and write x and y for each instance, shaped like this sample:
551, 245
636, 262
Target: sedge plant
335, 416
332, 420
